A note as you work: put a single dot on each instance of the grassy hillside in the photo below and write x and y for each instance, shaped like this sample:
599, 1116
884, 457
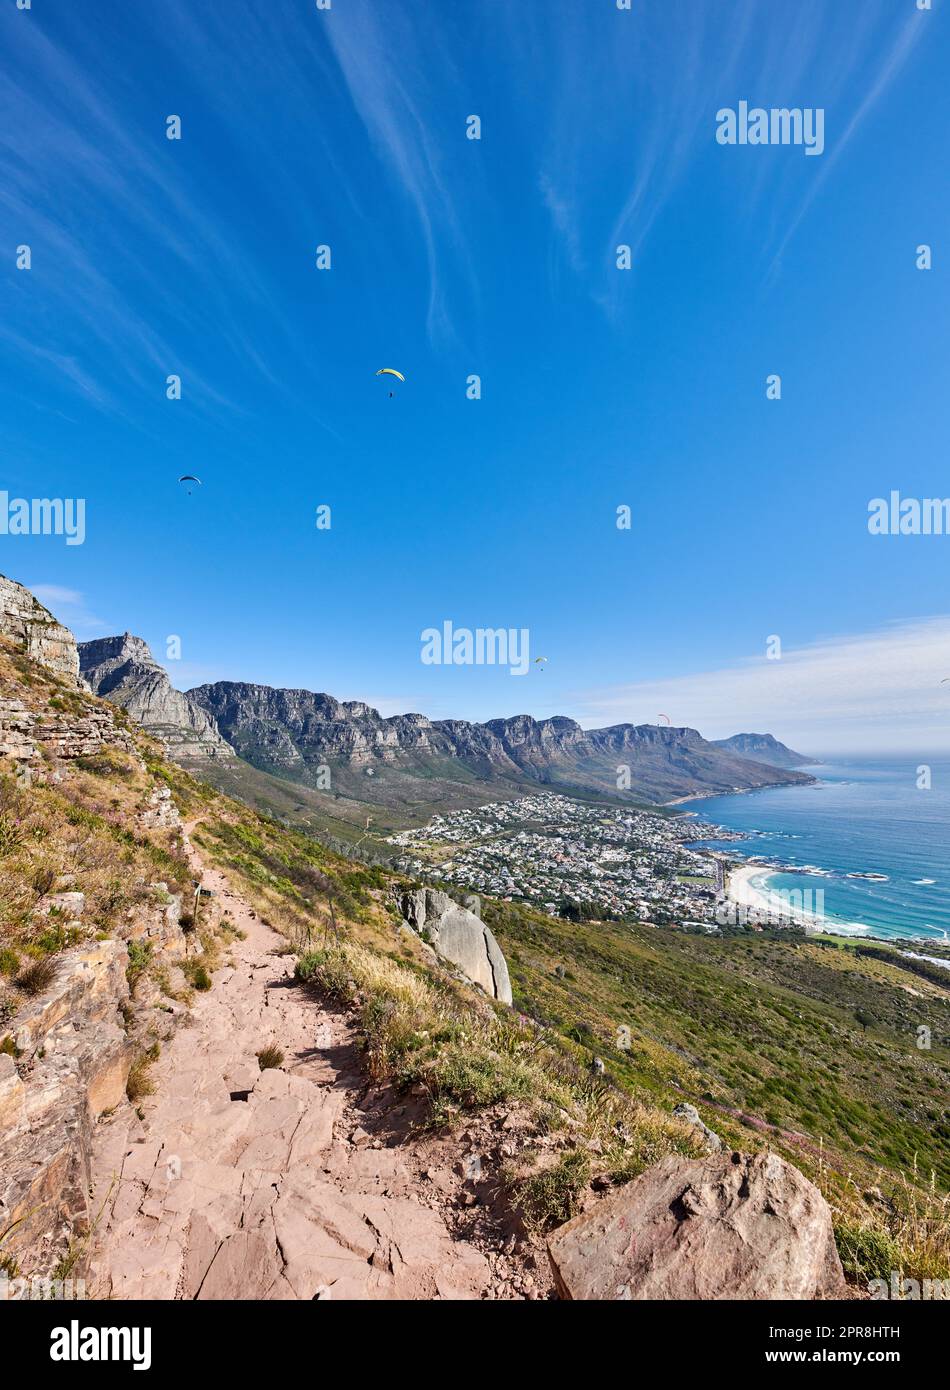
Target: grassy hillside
769, 1026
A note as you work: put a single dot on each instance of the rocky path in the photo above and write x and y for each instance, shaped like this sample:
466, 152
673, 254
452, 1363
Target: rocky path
243, 1184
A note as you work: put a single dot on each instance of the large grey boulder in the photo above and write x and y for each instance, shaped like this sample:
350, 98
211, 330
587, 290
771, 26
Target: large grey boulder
36, 632
459, 936
123, 670
731, 1226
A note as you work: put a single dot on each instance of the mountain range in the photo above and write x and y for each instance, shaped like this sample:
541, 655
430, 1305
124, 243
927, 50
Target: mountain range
296, 733
345, 751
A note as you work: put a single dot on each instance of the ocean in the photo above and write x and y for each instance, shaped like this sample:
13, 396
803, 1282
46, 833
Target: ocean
860, 817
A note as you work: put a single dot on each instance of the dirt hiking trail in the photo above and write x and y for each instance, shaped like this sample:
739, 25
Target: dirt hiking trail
289, 1183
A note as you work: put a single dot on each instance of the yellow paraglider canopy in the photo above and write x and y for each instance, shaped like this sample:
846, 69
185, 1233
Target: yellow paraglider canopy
390, 371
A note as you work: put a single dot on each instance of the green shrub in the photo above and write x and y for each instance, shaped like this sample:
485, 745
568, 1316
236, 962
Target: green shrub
140, 955
37, 977
9, 961
11, 835
549, 1198
270, 1058
196, 974
867, 1252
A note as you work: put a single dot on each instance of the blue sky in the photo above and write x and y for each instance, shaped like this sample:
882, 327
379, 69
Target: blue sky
452, 256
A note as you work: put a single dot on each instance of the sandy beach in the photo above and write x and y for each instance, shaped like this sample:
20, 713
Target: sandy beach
741, 890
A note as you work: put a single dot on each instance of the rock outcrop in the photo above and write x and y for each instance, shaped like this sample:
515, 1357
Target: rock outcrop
35, 742
459, 936
731, 1226
123, 670
73, 1050
72, 1063
36, 633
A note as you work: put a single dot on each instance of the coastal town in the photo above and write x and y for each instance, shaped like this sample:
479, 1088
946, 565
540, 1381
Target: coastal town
572, 859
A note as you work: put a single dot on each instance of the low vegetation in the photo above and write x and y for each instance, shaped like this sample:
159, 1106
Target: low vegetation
140, 1082
36, 977
196, 973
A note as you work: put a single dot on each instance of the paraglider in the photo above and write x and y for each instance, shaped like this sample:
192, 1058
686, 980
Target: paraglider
538, 660
189, 478
667, 718
391, 371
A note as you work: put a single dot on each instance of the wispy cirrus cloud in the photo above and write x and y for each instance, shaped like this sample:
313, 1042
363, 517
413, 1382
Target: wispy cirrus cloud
875, 690
659, 83
87, 188
388, 58
897, 50
70, 607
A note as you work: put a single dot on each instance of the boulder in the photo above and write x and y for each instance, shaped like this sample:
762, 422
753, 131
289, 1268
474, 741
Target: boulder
730, 1226
461, 937
161, 812
69, 905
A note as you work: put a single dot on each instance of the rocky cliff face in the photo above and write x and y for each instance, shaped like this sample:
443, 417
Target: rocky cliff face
36, 633
72, 1063
123, 670
294, 732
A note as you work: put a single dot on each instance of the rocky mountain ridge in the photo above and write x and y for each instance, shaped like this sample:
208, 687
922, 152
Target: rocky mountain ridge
312, 738
123, 670
296, 733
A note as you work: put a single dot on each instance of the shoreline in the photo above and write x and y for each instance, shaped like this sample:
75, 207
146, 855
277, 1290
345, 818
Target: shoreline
742, 791
740, 890
781, 905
